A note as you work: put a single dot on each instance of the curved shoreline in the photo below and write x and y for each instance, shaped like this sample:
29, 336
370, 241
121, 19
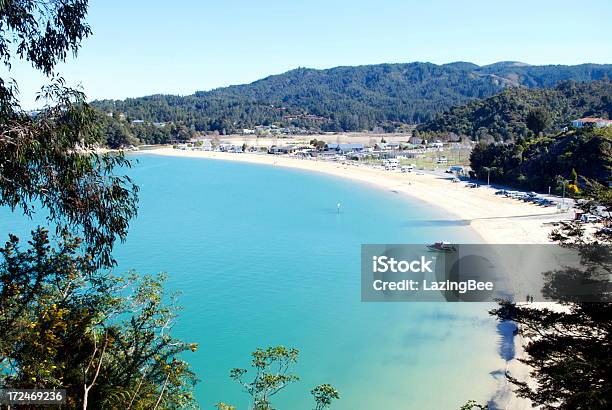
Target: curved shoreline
495, 219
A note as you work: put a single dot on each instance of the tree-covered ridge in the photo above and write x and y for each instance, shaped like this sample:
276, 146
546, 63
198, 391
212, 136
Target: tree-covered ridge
536, 163
509, 114
348, 98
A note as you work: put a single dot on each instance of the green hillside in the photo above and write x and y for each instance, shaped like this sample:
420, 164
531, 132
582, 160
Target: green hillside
348, 98
538, 163
507, 115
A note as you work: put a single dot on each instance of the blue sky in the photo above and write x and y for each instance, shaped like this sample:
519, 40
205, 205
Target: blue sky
147, 47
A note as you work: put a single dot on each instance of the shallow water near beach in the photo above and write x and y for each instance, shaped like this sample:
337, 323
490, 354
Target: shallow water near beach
262, 257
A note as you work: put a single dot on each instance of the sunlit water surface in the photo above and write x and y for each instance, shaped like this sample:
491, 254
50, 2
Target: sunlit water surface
262, 257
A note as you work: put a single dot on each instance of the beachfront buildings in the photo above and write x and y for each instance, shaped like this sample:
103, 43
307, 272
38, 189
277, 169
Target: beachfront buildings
345, 148
591, 122
282, 149
229, 147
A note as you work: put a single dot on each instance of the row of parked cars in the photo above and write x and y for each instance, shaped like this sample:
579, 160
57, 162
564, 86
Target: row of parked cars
526, 197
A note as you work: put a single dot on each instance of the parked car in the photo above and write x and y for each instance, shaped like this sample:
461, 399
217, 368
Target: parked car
606, 231
455, 169
544, 202
588, 218
541, 201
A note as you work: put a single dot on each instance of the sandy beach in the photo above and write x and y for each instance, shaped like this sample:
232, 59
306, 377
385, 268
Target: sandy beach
496, 219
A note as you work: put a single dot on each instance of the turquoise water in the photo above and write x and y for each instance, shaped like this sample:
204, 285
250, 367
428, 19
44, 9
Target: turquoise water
262, 258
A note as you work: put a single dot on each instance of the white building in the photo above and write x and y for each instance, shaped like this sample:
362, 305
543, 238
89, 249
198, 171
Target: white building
206, 145
591, 122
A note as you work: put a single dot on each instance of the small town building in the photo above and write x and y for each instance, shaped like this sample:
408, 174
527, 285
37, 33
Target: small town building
278, 150
591, 122
229, 147
345, 148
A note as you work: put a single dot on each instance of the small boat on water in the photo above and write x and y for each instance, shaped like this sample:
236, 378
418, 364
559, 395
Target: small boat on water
442, 247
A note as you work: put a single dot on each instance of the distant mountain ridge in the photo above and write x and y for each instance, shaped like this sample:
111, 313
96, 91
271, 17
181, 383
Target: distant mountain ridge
349, 98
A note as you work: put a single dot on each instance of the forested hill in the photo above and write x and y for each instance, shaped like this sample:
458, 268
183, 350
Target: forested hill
520, 111
348, 98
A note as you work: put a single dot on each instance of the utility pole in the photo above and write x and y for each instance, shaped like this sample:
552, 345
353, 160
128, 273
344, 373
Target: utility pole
563, 200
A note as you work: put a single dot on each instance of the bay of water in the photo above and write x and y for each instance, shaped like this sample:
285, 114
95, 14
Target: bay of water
262, 258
